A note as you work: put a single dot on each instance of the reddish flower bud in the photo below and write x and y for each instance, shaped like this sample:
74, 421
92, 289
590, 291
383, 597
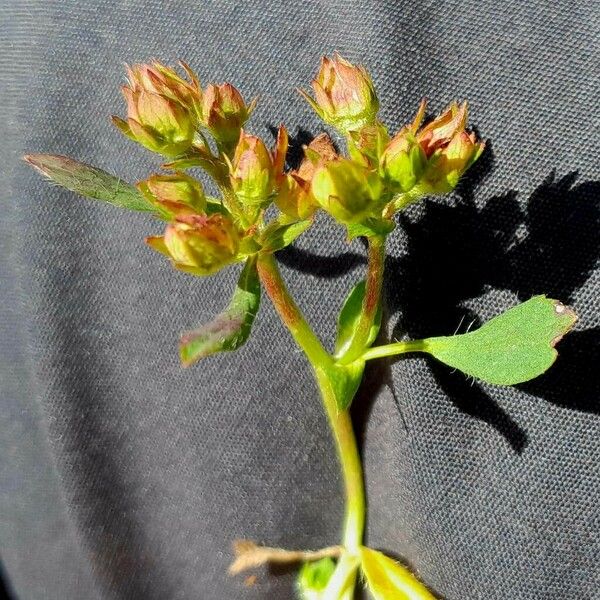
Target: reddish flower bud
344, 94
198, 244
430, 160
163, 109
225, 112
294, 197
454, 159
174, 194
441, 130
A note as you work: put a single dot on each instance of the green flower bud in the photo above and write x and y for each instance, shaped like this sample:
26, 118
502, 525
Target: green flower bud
174, 194
366, 145
403, 161
198, 244
348, 191
255, 173
344, 95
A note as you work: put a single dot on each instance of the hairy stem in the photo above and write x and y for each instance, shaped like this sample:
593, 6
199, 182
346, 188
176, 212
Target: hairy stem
339, 420
396, 348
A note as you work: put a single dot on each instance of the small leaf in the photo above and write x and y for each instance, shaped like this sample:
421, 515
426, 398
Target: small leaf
229, 329
344, 381
370, 228
388, 580
349, 318
89, 181
314, 577
277, 236
513, 347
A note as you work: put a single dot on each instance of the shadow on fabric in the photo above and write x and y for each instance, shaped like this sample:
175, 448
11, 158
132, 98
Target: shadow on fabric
457, 252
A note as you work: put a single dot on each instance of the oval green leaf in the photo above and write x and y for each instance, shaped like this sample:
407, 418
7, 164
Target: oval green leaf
511, 348
388, 580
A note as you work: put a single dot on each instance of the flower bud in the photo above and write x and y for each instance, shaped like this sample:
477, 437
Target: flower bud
365, 145
198, 244
225, 112
294, 197
454, 159
403, 161
344, 95
163, 109
347, 190
441, 130
174, 194
255, 172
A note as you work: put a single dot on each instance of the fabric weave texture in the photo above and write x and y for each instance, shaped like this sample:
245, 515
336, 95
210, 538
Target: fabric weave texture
124, 476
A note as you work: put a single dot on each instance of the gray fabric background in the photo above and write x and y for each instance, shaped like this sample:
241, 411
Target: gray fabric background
123, 476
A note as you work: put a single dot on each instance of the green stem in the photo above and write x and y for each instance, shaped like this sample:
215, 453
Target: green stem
396, 348
372, 299
339, 420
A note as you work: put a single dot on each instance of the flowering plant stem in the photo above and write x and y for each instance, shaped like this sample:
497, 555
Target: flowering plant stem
340, 421
380, 176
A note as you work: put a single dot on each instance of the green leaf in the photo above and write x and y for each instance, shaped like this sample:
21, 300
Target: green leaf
349, 318
89, 181
513, 347
229, 329
388, 580
313, 578
277, 236
345, 381
370, 228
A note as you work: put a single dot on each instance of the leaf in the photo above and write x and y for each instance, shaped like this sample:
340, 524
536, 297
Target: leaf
229, 329
89, 181
279, 236
313, 578
344, 381
513, 347
388, 580
349, 318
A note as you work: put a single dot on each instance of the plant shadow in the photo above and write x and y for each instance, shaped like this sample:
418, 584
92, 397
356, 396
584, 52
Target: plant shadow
458, 251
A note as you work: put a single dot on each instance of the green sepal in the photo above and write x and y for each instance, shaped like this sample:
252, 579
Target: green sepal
371, 227
349, 317
229, 329
313, 578
89, 181
511, 348
277, 235
389, 580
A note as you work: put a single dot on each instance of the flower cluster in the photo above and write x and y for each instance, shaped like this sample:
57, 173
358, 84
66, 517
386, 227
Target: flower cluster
193, 126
